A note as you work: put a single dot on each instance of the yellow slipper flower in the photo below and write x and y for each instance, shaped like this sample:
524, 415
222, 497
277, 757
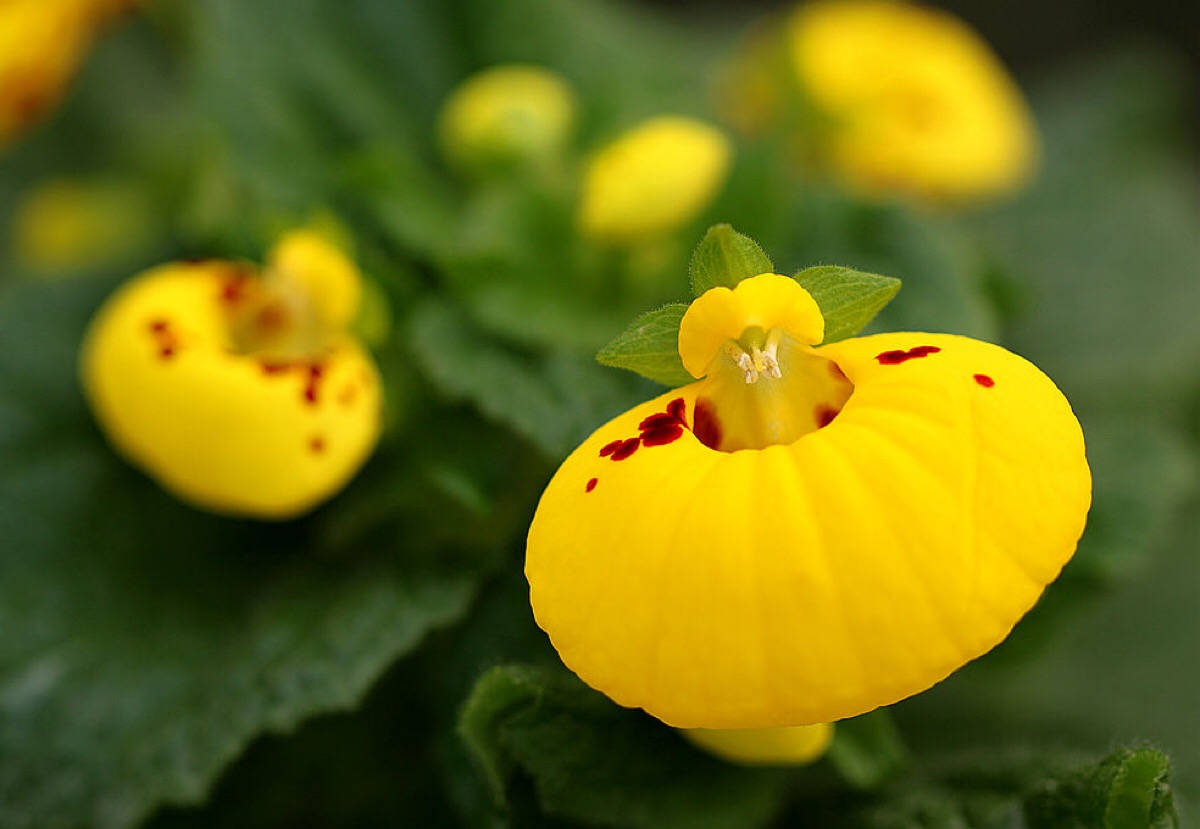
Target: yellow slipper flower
919, 103
241, 392
806, 533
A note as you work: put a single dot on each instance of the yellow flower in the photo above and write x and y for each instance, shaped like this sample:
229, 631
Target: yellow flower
906, 99
806, 533
653, 179
65, 224
793, 745
42, 44
508, 116
241, 392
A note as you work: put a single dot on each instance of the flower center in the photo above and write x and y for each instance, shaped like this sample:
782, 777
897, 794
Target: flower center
275, 318
758, 396
763, 383
305, 297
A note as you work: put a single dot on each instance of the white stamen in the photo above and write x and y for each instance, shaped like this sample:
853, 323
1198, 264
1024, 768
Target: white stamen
746, 363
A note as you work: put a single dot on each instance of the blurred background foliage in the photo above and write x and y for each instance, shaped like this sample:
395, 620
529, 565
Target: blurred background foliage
376, 663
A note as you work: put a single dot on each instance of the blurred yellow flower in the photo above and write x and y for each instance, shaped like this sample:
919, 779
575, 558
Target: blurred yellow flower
511, 116
895, 97
793, 745
240, 391
65, 224
653, 179
806, 533
42, 44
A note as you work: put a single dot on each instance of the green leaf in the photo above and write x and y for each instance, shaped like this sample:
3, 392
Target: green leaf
726, 257
848, 299
597, 763
867, 750
553, 401
144, 644
650, 347
1129, 789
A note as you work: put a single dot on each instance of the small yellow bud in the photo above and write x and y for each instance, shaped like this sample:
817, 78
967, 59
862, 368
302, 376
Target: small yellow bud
241, 392
653, 179
63, 225
507, 117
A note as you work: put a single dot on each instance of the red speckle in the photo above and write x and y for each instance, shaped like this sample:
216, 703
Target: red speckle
627, 448
315, 370
984, 380
657, 421
233, 290
895, 358
824, 415
164, 338
274, 368
591, 484
706, 426
677, 409
662, 435
609, 448
657, 429
316, 445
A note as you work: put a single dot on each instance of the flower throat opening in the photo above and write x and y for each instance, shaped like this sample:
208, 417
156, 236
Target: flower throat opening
757, 396
762, 383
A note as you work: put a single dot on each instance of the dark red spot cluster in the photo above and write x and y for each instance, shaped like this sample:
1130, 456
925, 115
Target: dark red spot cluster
165, 339
591, 484
895, 358
658, 429
313, 374
313, 383
984, 380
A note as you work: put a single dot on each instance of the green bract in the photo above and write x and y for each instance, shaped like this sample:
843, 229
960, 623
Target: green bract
848, 299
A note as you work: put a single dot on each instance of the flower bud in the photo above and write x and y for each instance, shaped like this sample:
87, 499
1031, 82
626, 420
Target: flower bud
653, 179
505, 118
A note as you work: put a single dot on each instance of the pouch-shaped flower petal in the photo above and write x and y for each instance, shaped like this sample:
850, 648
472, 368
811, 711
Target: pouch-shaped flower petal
231, 388
806, 533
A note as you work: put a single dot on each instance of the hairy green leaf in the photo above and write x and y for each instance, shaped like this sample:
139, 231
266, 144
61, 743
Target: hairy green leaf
144, 644
650, 347
1129, 789
848, 299
553, 401
726, 257
597, 763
